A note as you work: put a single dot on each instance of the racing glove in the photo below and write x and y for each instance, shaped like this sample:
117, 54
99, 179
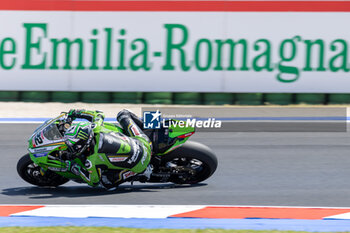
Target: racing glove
97, 117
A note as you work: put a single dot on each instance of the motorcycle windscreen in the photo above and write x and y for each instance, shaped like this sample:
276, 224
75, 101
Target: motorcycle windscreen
52, 133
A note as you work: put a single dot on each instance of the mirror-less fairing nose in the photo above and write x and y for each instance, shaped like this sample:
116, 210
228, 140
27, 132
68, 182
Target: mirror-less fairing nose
47, 137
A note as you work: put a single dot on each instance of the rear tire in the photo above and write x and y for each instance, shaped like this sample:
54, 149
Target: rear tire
26, 169
192, 155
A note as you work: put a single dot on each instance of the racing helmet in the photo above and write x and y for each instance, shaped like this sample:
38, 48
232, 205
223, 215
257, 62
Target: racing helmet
78, 137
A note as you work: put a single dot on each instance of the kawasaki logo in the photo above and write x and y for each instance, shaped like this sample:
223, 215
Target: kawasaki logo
286, 59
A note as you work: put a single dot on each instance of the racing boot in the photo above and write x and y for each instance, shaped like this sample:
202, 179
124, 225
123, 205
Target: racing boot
76, 169
146, 175
133, 116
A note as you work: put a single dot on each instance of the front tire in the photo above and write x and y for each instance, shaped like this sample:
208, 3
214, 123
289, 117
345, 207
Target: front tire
197, 159
30, 172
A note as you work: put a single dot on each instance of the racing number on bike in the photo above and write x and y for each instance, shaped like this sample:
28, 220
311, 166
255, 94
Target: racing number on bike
38, 139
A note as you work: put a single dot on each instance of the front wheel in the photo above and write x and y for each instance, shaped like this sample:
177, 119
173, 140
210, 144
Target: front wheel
30, 172
191, 163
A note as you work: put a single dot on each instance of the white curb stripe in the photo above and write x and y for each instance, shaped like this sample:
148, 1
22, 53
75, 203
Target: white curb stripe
339, 216
112, 211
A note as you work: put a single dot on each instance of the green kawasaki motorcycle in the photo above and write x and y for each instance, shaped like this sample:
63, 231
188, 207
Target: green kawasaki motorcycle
174, 158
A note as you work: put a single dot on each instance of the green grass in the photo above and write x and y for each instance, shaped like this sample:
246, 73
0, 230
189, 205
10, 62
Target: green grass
122, 230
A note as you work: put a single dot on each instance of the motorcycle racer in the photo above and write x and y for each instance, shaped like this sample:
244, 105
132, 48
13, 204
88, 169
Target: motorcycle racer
104, 153
131, 152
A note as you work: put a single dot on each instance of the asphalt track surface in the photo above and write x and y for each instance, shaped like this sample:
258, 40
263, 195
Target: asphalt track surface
255, 168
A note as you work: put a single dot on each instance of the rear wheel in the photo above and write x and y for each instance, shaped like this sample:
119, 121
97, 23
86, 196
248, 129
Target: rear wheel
30, 172
191, 163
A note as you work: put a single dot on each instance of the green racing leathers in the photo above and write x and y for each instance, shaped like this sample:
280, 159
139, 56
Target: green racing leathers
130, 154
